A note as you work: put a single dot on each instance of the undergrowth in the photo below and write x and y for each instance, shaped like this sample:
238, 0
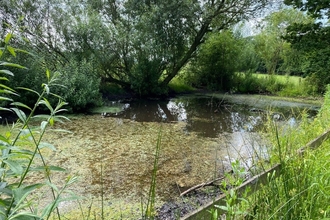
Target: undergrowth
22, 149
302, 190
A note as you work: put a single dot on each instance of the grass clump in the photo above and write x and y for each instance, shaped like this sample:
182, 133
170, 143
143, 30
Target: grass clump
282, 85
302, 190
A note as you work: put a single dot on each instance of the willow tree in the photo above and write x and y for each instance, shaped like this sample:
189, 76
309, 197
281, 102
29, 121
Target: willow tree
140, 45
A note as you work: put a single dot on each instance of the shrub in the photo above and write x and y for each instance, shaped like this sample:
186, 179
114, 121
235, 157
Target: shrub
80, 85
22, 150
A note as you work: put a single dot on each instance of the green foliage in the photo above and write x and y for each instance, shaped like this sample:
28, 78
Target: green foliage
274, 51
22, 151
302, 189
312, 41
79, 82
216, 62
80, 85
139, 45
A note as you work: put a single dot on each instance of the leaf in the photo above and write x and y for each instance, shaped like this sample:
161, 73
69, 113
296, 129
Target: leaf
48, 168
5, 109
7, 92
21, 115
21, 105
30, 90
225, 208
11, 50
7, 72
4, 139
3, 185
42, 116
46, 145
51, 121
48, 74
43, 126
2, 98
6, 87
12, 65
24, 216
46, 88
14, 166
47, 104
49, 208
8, 37
23, 191
4, 78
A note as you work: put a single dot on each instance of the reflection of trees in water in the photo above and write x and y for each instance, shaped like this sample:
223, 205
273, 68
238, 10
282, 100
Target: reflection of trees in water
207, 116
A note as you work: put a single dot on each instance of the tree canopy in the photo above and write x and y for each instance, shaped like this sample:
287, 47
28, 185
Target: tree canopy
312, 40
140, 45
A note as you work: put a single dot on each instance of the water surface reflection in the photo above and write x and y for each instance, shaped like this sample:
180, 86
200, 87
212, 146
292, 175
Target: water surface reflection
207, 116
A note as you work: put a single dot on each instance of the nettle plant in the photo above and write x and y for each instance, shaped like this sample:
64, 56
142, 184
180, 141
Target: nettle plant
20, 146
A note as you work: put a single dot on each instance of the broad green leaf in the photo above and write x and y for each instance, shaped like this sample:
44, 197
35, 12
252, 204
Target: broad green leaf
7, 72
8, 37
14, 166
12, 65
23, 191
4, 78
30, 90
11, 50
21, 105
21, 115
1, 52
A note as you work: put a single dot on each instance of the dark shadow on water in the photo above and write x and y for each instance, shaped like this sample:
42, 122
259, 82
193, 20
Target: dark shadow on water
207, 116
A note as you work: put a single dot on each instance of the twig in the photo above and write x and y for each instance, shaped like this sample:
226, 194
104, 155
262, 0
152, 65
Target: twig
200, 185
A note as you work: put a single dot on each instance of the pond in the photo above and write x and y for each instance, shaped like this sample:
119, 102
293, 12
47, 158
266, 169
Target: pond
200, 136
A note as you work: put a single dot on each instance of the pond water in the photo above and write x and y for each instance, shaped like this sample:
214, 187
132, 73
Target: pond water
200, 136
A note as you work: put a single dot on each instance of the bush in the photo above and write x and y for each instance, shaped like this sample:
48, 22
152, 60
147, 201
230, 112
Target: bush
216, 62
80, 85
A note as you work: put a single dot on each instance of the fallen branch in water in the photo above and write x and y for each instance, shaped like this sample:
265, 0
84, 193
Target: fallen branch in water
200, 186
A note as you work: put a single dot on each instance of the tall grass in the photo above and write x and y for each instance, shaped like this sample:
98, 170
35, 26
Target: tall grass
302, 191
150, 211
282, 85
